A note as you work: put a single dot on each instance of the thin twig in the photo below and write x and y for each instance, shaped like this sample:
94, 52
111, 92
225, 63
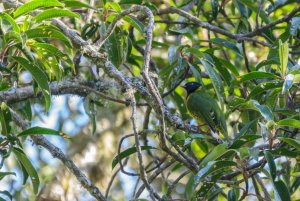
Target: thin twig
57, 153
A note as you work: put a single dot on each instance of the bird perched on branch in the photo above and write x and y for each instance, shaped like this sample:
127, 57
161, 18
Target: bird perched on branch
204, 108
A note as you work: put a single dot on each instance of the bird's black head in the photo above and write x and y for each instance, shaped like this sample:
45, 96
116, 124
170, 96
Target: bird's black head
190, 87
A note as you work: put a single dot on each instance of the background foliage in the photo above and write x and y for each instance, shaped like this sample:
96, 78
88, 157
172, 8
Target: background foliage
78, 81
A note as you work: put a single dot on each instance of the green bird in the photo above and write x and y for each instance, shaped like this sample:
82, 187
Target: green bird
204, 108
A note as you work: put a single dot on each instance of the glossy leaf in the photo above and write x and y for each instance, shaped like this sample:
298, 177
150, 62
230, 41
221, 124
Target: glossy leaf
34, 4
271, 164
3, 174
288, 83
51, 49
289, 122
172, 54
207, 186
77, 4
282, 191
227, 44
48, 32
41, 131
264, 110
285, 152
254, 8
189, 190
5, 118
230, 66
215, 79
116, 46
211, 167
138, 25
131, 2
116, 7
53, 13
295, 25
128, 152
218, 151
39, 76
293, 142
232, 195
215, 7
22, 158
7, 194
283, 56
263, 87
14, 25
256, 75
244, 140
265, 63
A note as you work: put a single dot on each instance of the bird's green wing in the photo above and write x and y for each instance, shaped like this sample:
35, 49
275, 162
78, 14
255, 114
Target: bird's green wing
204, 108
200, 106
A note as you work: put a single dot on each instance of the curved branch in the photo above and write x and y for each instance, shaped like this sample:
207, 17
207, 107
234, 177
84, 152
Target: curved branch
57, 153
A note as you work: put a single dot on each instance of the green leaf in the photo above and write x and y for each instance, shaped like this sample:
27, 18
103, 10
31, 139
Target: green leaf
115, 45
271, 163
215, 7
285, 152
283, 56
6, 193
196, 72
207, 186
5, 118
25, 174
189, 191
42, 131
232, 196
254, 8
263, 87
211, 167
128, 152
34, 4
116, 7
3, 174
244, 140
179, 138
173, 54
265, 63
230, 66
13, 36
288, 83
53, 13
289, 122
282, 191
53, 50
138, 25
77, 4
180, 102
22, 158
215, 79
139, 2
264, 110
293, 142
39, 76
295, 25
12, 22
48, 32
222, 42
222, 70
256, 75
295, 185
218, 151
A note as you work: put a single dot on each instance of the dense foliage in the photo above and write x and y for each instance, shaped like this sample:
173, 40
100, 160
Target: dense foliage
128, 59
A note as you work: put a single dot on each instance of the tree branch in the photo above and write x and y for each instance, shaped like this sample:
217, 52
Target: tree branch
57, 153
